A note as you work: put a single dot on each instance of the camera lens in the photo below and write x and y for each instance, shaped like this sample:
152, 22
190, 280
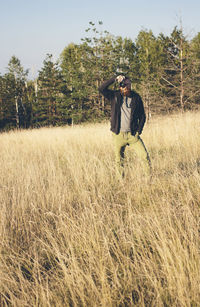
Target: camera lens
122, 84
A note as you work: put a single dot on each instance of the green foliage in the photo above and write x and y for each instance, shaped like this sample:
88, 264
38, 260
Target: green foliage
49, 107
7, 107
14, 104
165, 70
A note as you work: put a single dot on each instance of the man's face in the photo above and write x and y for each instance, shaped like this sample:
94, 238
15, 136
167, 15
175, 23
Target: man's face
125, 90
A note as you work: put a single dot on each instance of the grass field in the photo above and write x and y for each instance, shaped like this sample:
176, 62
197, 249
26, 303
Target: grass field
73, 234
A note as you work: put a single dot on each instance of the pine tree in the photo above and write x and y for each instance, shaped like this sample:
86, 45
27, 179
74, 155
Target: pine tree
194, 73
49, 107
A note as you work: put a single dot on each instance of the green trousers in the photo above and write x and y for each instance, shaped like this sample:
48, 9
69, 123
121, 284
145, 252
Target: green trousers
123, 139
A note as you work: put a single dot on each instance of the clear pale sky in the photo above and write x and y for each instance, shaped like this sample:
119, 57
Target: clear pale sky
32, 28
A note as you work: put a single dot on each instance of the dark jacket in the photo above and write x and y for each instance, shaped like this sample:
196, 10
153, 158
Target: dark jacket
138, 117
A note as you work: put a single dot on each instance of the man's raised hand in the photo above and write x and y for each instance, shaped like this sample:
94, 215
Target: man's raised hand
120, 78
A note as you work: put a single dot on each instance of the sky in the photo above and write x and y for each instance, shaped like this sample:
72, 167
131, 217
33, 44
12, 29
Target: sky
31, 29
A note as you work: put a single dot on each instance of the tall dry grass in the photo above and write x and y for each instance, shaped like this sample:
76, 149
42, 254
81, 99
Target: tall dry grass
73, 234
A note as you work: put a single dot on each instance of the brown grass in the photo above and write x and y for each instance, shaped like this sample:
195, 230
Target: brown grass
73, 234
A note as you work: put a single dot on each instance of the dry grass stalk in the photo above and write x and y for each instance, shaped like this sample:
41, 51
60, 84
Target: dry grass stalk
73, 234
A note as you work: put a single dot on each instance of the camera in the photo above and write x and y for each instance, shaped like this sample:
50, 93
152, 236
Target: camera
122, 84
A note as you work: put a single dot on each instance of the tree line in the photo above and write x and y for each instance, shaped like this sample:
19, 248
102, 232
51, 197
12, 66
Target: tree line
164, 69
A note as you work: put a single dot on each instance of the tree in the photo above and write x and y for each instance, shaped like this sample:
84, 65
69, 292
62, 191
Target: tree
13, 97
99, 63
165, 70
149, 60
87, 65
49, 107
7, 100
84, 67
175, 75
193, 88
16, 80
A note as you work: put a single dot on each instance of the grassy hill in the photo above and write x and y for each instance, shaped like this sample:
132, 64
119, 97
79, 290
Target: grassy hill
74, 234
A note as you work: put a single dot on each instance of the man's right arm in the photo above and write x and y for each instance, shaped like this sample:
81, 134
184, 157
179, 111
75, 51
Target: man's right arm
142, 115
103, 88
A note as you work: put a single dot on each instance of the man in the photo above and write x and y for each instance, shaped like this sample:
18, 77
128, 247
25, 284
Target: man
127, 120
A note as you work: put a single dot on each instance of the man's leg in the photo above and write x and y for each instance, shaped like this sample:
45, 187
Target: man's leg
119, 145
138, 145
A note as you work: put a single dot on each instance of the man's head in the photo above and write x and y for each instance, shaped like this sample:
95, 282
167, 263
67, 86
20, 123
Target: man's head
125, 87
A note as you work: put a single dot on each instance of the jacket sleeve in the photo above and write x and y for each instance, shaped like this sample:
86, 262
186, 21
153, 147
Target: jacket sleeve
142, 115
103, 89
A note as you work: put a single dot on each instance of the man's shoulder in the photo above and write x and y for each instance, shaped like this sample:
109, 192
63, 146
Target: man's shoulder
135, 95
